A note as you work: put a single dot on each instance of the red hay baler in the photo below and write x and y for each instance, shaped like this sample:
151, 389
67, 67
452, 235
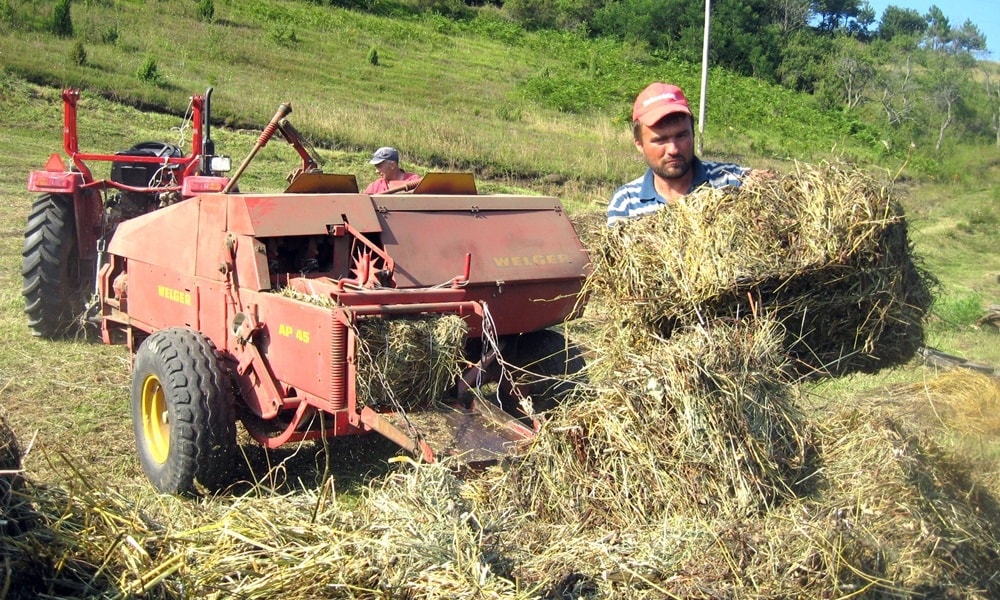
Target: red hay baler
245, 307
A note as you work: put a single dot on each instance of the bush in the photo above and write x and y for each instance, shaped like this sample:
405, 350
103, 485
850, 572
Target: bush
149, 71
283, 34
8, 16
78, 54
110, 35
62, 23
206, 10
373, 57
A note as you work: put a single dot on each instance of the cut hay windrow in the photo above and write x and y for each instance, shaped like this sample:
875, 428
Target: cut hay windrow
881, 512
824, 250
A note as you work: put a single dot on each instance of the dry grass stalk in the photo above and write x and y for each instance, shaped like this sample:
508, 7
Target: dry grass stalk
413, 535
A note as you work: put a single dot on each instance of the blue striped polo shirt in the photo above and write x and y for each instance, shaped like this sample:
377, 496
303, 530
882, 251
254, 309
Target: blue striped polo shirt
639, 197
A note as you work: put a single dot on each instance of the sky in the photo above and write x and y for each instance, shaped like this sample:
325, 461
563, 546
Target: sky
984, 13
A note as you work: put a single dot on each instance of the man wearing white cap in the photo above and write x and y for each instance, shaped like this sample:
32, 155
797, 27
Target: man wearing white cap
663, 128
386, 161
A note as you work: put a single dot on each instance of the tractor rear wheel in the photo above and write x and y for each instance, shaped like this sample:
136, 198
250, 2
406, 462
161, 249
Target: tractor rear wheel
546, 367
56, 281
183, 413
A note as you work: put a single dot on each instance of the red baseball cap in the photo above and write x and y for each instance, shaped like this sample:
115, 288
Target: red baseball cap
657, 101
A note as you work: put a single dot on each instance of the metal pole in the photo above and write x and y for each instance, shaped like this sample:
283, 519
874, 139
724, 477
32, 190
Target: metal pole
704, 79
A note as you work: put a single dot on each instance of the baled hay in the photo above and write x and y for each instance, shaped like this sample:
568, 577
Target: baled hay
408, 362
700, 424
823, 250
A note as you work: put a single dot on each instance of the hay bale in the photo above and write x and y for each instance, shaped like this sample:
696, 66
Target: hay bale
824, 250
408, 362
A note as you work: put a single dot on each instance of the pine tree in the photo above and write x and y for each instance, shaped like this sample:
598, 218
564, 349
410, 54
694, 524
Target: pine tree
62, 23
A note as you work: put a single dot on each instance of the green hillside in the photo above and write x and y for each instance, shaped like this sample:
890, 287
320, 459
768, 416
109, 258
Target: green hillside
480, 93
541, 110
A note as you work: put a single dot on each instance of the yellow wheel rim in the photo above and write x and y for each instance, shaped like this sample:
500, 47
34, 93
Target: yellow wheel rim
155, 420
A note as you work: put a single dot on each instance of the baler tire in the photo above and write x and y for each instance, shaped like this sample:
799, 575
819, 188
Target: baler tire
546, 367
55, 281
183, 413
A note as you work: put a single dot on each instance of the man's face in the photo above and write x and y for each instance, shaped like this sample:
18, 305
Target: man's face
668, 146
387, 169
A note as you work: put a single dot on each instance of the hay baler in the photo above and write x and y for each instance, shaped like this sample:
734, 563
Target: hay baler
247, 307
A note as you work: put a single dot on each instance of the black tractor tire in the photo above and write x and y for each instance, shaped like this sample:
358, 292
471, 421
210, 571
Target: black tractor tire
183, 413
56, 282
544, 367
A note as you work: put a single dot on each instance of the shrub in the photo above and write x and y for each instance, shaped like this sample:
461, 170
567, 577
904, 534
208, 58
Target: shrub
373, 57
206, 10
78, 54
62, 23
8, 16
283, 34
149, 71
110, 35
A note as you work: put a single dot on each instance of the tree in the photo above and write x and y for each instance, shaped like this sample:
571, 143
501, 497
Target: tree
938, 28
62, 22
802, 61
896, 92
943, 87
854, 67
968, 38
834, 14
860, 26
790, 15
898, 21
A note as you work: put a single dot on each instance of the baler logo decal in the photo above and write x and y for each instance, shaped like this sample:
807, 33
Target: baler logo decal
289, 331
530, 261
178, 296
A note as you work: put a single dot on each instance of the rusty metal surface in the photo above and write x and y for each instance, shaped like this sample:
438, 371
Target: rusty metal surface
298, 214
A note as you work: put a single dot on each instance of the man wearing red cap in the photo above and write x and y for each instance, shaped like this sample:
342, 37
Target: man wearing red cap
663, 128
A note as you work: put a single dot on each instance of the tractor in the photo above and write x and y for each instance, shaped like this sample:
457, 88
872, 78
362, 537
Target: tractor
252, 308
76, 214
